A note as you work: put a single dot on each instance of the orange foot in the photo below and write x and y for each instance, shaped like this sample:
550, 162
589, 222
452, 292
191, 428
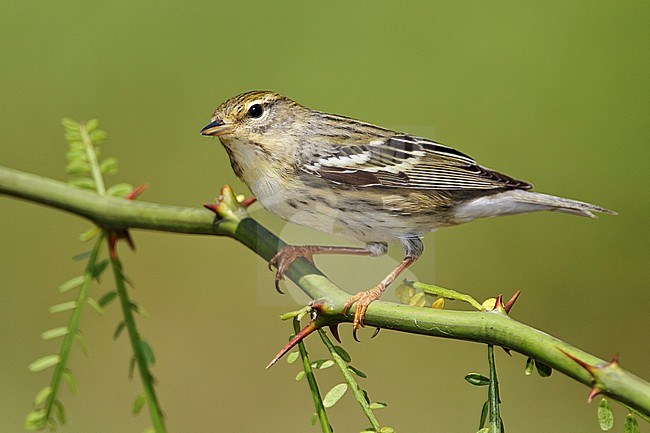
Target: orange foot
286, 256
363, 300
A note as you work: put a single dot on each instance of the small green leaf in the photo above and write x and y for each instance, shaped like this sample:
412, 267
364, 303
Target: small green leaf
477, 379
76, 153
107, 298
108, 166
484, 414
97, 136
343, 353
65, 306
78, 146
35, 420
334, 394
542, 369
60, 412
139, 403
54, 333
99, 268
42, 395
137, 308
70, 123
314, 418
82, 182
69, 378
300, 375
357, 371
378, 405
147, 352
81, 256
92, 124
72, 135
44, 362
484, 430
81, 341
605, 415
631, 425
118, 329
131, 367
77, 167
322, 364
119, 190
291, 358
365, 395
530, 364
387, 430
89, 234
72, 283
95, 305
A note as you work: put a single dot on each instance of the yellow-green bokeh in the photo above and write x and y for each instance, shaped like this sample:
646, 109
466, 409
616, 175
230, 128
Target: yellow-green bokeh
556, 93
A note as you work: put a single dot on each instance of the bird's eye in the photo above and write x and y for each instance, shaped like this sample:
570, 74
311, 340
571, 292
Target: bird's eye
255, 111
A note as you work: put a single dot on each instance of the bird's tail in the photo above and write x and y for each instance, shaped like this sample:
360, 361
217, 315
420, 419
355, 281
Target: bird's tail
519, 201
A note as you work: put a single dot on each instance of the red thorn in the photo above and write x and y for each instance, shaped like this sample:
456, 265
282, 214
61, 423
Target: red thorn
129, 240
580, 362
304, 332
136, 191
499, 303
594, 392
614, 360
212, 207
512, 300
334, 329
248, 201
112, 243
374, 334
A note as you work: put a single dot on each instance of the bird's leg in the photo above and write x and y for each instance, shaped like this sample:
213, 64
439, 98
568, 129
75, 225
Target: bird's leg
363, 299
288, 254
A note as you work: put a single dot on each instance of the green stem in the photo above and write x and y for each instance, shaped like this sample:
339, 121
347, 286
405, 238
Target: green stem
493, 394
352, 383
137, 346
313, 385
484, 327
73, 329
92, 159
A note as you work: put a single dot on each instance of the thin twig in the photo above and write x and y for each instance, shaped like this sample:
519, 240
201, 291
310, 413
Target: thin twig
313, 385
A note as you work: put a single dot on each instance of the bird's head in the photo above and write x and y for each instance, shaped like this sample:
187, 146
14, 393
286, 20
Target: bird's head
259, 117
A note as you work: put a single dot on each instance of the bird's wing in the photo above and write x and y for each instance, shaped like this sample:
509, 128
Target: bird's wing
403, 161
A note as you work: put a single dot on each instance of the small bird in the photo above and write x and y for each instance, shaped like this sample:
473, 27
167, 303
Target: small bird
363, 182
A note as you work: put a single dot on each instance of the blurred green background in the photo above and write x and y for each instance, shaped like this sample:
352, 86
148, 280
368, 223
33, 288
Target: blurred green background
556, 93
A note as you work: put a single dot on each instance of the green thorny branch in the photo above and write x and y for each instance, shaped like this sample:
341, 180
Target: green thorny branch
491, 326
88, 173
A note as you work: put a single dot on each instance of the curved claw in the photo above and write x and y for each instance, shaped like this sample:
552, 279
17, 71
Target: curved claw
272, 261
285, 257
277, 283
363, 300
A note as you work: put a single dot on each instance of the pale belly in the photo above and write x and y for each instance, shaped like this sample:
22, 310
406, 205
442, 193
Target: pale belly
351, 214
